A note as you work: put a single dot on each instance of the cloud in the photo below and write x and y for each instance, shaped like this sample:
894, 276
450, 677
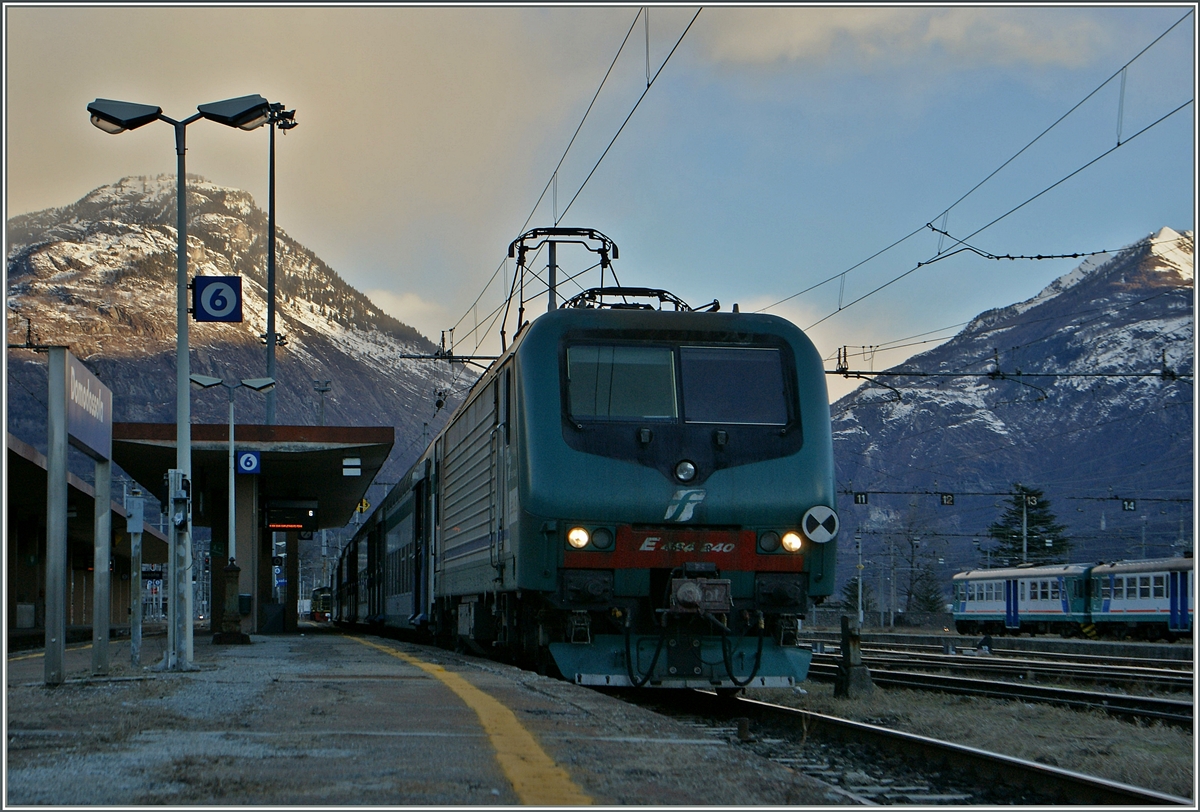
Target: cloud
878, 39
429, 318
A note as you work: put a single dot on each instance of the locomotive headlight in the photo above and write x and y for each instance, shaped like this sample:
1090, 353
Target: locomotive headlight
791, 541
578, 537
768, 542
685, 471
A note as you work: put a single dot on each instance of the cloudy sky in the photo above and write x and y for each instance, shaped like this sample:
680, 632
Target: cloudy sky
777, 148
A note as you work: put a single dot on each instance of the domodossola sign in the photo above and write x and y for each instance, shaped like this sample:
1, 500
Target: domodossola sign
89, 411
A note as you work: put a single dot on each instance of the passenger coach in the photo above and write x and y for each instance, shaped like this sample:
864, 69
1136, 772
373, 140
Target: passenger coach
1031, 599
1143, 598
1149, 599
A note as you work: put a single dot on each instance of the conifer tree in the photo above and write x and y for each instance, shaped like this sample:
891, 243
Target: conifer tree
850, 596
1043, 541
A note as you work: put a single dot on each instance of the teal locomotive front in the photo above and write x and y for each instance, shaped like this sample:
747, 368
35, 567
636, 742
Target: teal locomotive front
672, 499
627, 496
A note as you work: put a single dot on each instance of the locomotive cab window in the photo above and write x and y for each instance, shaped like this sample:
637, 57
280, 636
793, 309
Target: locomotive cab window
740, 385
622, 382
723, 385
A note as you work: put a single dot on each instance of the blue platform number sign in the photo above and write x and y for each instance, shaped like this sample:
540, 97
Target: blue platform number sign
217, 298
248, 462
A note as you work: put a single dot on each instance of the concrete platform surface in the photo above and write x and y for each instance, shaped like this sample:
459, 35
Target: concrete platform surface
326, 718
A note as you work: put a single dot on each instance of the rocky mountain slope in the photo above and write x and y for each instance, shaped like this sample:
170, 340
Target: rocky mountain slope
99, 276
1083, 391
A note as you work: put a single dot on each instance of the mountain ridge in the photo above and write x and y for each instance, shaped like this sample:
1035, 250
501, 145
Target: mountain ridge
1066, 391
100, 275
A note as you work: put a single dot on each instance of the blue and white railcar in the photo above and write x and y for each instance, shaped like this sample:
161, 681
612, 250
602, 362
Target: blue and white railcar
1150, 599
1012, 600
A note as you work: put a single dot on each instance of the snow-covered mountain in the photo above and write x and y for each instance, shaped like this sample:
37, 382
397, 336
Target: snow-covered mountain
99, 276
1083, 391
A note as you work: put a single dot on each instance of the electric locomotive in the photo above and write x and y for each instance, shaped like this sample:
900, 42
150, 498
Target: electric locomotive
631, 495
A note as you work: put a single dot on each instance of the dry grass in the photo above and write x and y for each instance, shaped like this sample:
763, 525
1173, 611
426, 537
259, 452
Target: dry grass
1152, 756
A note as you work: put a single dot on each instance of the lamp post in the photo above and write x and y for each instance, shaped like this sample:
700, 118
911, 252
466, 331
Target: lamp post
114, 117
322, 389
858, 545
229, 614
284, 120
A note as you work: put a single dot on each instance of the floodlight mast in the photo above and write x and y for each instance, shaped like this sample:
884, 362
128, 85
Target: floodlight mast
114, 117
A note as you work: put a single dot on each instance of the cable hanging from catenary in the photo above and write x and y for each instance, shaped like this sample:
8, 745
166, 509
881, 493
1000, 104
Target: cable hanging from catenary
945, 212
1011, 211
553, 181
631, 112
989, 255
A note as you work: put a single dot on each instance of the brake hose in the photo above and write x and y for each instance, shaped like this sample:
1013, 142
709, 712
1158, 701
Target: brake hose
728, 655
635, 682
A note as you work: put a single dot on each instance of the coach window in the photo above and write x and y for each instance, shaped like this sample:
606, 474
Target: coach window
622, 382
1160, 586
1104, 590
738, 385
1054, 593
1144, 584
1022, 590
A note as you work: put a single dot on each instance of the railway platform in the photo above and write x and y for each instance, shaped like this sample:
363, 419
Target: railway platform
328, 718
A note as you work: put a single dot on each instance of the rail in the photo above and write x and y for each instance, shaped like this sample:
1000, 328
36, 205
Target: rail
1171, 711
1062, 785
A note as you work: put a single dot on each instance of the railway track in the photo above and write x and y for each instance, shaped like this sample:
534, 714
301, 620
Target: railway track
872, 764
1023, 669
1129, 706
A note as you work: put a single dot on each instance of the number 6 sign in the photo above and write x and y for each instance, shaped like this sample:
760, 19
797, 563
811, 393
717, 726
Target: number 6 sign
217, 298
248, 462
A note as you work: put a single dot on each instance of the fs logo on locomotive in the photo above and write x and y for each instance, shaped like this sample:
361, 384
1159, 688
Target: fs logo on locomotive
683, 503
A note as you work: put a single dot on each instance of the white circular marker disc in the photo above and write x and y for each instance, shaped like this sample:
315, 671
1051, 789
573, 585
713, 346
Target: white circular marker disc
820, 524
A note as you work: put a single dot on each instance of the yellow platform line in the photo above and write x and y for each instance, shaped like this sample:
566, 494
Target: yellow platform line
534, 776
43, 653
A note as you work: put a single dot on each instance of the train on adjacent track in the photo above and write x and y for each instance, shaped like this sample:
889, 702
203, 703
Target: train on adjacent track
634, 494
1150, 599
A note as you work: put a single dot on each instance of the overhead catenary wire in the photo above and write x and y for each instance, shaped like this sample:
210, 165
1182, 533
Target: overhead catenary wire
1078, 323
945, 212
552, 182
632, 111
1011, 211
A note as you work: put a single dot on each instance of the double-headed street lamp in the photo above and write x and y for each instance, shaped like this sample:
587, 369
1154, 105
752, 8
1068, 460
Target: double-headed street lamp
247, 113
258, 385
230, 625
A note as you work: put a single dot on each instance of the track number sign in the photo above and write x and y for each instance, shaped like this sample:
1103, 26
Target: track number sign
217, 298
248, 462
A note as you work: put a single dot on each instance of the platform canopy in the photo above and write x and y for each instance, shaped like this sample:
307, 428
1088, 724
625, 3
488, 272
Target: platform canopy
331, 465
26, 495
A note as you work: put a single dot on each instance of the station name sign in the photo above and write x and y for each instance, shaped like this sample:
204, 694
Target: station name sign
89, 411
